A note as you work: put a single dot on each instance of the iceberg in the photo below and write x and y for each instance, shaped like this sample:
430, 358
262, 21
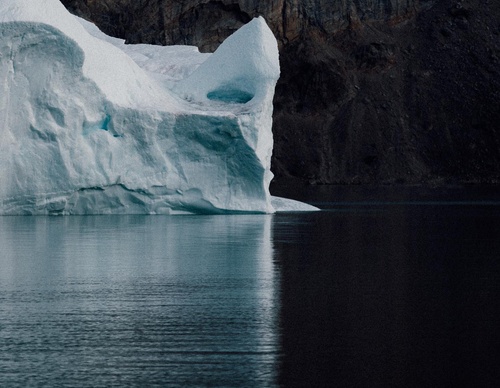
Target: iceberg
89, 125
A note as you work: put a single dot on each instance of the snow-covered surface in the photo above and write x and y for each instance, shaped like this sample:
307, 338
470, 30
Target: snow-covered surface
282, 205
165, 63
89, 125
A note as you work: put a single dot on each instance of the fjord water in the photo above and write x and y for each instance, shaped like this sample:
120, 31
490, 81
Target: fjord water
383, 287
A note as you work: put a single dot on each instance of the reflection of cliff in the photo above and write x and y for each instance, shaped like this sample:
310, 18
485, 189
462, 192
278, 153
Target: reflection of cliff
374, 293
344, 299
370, 91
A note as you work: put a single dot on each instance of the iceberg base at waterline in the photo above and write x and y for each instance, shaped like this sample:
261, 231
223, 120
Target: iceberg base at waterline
89, 125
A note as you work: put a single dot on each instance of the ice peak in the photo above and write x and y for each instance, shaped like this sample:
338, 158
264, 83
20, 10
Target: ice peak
239, 70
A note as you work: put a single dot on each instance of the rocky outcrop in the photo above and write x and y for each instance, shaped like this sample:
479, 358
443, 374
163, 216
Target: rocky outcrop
206, 23
371, 91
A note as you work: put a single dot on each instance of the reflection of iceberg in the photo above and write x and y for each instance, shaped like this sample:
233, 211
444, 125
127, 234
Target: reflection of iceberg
182, 294
84, 128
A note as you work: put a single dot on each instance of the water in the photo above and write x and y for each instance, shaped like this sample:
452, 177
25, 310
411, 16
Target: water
383, 288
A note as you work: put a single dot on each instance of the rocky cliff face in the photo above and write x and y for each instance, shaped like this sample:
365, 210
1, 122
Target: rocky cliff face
206, 23
371, 91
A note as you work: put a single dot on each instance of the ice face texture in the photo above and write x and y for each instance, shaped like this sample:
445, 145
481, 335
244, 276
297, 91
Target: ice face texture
89, 125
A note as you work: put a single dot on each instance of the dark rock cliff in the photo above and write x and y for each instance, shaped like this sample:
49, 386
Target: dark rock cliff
371, 91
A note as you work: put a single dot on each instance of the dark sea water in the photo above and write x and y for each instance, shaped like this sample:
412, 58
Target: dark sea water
383, 288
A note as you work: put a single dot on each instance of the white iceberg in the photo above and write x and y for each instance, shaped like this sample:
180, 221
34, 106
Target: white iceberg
89, 125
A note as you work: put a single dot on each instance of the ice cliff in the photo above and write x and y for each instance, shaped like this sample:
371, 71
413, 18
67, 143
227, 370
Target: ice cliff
89, 125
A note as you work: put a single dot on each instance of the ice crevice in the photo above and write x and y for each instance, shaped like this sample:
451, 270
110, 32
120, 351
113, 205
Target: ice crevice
90, 125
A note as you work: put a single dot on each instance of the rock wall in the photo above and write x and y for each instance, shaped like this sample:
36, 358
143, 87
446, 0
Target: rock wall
371, 91
206, 23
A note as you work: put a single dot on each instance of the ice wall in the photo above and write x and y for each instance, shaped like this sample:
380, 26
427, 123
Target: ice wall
85, 129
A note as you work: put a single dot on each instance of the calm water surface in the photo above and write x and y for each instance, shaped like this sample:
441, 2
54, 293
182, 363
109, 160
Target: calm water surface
385, 287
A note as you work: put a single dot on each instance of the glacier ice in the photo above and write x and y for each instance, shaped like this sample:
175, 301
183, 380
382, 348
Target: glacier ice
89, 125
